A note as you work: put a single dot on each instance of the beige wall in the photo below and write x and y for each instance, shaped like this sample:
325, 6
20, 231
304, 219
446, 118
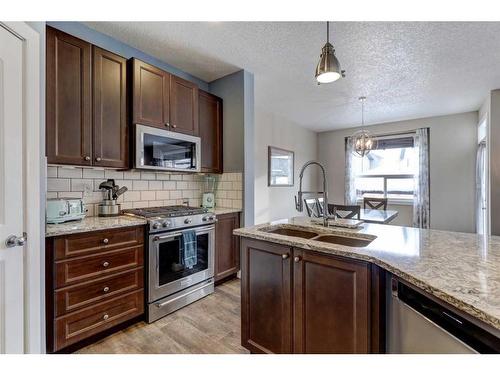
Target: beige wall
272, 203
452, 167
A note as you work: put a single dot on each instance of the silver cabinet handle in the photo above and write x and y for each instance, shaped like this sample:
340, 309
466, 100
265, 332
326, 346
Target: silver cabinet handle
105, 317
297, 259
98, 159
106, 289
167, 124
105, 241
285, 256
105, 264
174, 126
13, 241
86, 158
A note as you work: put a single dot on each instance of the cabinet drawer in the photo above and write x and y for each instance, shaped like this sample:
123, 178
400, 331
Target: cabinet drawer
79, 325
95, 242
82, 295
91, 267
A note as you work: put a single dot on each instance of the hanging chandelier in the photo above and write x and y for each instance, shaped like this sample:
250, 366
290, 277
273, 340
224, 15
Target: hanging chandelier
362, 141
328, 68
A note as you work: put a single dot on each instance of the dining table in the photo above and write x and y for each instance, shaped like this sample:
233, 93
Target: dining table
377, 216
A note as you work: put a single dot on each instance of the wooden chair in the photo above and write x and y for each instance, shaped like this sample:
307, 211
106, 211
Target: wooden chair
375, 203
312, 207
351, 211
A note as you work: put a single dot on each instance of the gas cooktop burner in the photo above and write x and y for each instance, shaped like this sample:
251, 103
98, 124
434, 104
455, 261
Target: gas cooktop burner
166, 211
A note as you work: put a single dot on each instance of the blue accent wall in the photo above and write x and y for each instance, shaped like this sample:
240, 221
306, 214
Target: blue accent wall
84, 32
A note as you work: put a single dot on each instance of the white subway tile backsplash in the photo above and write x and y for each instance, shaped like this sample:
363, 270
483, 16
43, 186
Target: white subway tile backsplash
146, 189
58, 184
155, 185
140, 185
148, 176
148, 196
69, 172
117, 175
93, 173
52, 172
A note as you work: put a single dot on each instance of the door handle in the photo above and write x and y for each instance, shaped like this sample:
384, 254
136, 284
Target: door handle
13, 240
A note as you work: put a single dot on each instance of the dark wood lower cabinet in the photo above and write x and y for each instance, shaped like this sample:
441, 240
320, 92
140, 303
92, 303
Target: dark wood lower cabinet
266, 297
227, 246
94, 283
299, 301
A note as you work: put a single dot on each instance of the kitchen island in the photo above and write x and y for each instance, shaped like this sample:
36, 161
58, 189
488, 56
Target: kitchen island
317, 285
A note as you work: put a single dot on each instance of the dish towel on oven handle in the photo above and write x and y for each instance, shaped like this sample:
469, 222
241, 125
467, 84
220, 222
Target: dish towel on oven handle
190, 248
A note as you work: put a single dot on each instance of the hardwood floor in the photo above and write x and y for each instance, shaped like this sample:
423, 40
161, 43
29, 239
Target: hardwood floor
208, 326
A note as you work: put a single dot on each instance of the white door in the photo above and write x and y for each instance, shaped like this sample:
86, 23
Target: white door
11, 193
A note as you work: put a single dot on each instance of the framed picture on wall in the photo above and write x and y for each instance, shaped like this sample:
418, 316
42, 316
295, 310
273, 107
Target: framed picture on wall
280, 167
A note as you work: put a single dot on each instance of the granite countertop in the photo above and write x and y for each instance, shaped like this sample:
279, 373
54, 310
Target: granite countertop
90, 224
222, 210
461, 269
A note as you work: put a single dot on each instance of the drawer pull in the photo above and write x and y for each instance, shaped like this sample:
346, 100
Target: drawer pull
297, 259
105, 241
105, 264
106, 289
285, 256
105, 317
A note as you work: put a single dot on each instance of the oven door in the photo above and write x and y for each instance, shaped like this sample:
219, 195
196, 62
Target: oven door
168, 272
165, 150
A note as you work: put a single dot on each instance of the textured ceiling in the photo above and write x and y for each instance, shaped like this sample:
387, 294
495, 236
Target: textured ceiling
406, 69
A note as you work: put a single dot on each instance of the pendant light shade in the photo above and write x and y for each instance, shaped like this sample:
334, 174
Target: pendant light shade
328, 69
362, 141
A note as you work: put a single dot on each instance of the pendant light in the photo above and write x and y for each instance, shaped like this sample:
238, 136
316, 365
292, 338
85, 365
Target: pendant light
328, 69
362, 141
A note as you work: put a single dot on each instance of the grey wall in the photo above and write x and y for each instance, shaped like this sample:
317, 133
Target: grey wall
452, 167
237, 91
272, 203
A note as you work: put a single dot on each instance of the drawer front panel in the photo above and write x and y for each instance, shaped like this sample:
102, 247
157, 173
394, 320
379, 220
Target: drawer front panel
74, 327
83, 295
78, 270
95, 242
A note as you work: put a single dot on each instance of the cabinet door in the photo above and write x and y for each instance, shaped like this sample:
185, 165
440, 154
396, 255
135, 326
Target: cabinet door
183, 106
110, 112
151, 95
266, 294
69, 99
227, 247
210, 120
331, 304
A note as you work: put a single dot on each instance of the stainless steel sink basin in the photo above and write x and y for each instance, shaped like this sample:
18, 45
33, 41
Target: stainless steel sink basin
293, 232
341, 240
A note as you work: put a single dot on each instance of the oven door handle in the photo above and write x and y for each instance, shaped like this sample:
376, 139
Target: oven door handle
179, 233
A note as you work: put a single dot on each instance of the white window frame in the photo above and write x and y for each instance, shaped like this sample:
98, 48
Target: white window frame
398, 201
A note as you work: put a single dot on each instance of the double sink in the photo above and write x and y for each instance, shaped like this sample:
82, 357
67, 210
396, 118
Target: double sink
328, 238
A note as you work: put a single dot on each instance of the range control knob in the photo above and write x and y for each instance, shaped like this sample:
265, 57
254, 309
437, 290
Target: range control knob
166, 224
188, 220
156, 225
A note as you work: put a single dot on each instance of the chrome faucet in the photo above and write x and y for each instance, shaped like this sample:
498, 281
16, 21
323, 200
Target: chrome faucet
299, 202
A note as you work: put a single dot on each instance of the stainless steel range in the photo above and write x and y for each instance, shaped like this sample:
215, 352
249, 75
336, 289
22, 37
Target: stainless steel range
176, 278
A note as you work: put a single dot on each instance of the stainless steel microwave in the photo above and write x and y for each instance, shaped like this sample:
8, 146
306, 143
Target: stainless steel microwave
165, 150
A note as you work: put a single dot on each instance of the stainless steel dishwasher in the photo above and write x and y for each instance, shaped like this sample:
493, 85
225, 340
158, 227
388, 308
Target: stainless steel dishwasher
418, 324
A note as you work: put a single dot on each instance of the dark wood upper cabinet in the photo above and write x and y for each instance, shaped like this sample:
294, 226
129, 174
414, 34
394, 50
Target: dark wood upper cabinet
210, 120
227, 246
151, 95
331, 304
86, 104
183, 106
266, 297
68, 98
110, 111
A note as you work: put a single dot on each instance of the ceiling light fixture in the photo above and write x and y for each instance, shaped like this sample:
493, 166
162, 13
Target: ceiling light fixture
362, 141
328, 69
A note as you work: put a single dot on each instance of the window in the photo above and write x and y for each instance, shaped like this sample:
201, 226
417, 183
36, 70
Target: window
388, 170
